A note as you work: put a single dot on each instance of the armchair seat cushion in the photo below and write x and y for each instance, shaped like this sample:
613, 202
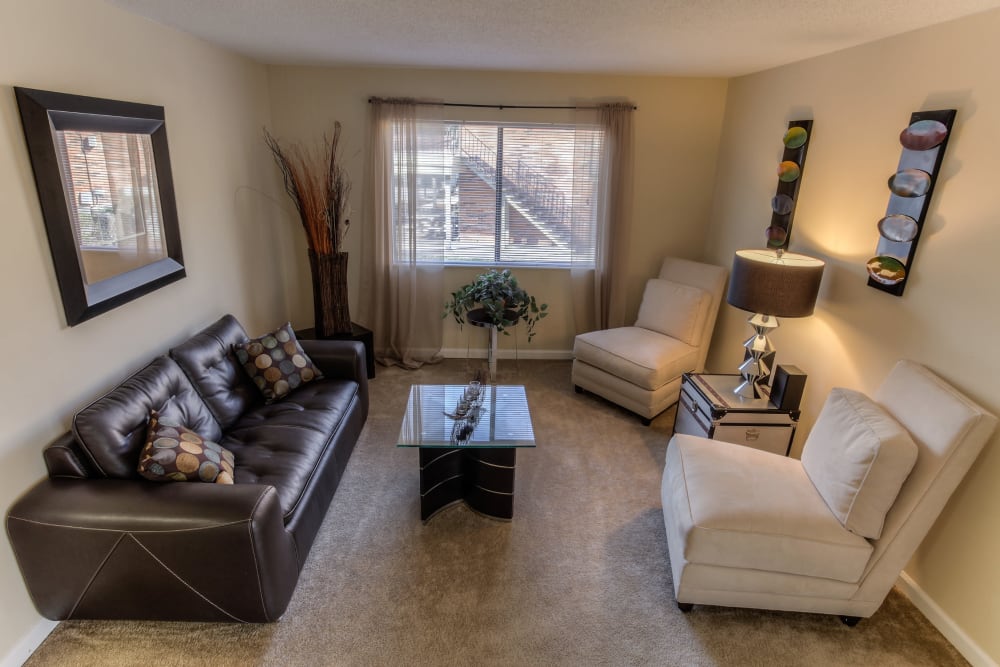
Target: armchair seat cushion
740, 507
645, 358
283, 443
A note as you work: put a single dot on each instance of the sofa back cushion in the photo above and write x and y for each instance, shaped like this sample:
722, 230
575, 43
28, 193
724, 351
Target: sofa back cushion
112, 430
210, 363
675, 310
858, 456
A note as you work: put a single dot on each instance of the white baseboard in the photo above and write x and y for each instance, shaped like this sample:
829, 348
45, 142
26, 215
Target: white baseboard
521, 353
18, 655
962, 642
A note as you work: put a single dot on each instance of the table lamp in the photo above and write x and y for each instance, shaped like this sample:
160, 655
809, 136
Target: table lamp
770, 284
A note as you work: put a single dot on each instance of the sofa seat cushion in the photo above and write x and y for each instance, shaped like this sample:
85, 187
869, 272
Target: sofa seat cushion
282, 443
645, 358
736, 506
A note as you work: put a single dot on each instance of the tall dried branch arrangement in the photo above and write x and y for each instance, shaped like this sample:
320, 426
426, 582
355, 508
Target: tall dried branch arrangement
320, 188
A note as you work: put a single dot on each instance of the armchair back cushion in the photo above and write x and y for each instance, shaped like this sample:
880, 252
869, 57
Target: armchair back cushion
708, 277
112, 429
675, 310
858, 456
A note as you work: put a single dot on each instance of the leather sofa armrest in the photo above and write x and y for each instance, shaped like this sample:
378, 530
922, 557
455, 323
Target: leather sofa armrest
343, 359
160, 551
64, 459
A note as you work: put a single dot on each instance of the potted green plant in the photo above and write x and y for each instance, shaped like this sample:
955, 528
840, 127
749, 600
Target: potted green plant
495, 299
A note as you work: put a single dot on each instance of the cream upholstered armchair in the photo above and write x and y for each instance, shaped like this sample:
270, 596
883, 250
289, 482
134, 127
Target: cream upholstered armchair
830, 533
640, 367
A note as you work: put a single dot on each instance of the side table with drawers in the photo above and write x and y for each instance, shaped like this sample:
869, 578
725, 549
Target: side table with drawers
709, 408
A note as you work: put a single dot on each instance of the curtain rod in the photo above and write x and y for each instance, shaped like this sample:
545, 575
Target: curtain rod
499, 106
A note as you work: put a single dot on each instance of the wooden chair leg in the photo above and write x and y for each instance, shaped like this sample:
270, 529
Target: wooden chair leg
685, 606
850, 621
578, 389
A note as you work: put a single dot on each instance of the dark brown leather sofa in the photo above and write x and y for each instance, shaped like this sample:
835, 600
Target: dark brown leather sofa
95, 540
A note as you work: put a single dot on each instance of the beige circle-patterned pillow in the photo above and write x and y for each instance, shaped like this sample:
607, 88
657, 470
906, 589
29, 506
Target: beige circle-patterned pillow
277, 363
173, 453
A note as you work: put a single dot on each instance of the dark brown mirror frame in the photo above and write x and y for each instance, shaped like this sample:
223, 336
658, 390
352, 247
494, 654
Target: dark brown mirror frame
41, 113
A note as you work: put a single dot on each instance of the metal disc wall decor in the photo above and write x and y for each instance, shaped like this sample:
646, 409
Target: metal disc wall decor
910, 183
793, 161
898, 227
923, 135
924, 141
782, 204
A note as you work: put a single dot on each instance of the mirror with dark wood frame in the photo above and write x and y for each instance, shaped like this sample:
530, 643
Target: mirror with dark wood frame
102, 170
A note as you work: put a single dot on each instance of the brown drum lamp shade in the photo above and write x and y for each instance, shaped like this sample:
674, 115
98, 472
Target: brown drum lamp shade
770, 284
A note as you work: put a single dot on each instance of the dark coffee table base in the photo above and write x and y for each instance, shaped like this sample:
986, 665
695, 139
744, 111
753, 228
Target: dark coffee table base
482, 477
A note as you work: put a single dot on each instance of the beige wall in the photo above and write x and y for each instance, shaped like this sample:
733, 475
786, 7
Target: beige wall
948, 318
677, 134
215, 104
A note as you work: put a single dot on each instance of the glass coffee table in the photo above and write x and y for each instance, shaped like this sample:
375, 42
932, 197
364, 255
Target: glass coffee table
470, 458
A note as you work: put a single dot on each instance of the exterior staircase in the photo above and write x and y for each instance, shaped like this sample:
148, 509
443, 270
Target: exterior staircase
529, 191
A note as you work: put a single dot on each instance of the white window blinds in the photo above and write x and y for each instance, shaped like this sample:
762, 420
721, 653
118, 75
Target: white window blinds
503, 193
110, 181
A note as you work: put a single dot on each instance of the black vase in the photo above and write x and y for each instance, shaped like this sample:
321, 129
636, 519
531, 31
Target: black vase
331, 310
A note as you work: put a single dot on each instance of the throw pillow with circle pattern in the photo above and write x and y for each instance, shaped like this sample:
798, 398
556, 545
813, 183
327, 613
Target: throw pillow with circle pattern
276, 363
173, 453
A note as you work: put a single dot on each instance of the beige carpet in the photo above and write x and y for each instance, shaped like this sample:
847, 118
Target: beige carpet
580, 577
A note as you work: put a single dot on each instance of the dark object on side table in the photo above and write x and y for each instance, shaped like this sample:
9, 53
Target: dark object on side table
95, 540
358, 333
787, 388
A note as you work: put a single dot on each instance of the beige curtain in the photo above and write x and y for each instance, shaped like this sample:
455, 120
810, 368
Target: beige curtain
401, 301
599, 292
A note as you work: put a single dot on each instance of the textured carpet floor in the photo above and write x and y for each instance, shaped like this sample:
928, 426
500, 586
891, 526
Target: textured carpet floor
580, 577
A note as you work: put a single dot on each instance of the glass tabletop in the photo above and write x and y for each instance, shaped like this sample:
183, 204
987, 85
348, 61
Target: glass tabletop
501, 418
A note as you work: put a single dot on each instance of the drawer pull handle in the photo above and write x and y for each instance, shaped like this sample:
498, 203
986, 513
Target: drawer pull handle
752, 434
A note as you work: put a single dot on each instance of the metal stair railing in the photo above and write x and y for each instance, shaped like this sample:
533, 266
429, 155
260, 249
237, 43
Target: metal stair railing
537, 197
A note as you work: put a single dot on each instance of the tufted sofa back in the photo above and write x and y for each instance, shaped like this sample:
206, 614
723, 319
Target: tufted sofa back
111, 430
209, 363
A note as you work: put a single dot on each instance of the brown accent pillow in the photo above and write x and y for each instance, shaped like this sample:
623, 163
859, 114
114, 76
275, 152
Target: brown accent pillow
276, 363
173, 453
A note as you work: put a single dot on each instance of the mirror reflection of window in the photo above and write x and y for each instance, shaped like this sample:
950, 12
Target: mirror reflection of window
110, 183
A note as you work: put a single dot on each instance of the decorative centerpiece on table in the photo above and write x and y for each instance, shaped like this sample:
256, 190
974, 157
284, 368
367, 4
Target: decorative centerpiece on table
466, 414
495, 299
320, 188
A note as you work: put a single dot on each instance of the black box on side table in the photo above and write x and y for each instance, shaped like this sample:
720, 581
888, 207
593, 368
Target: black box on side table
788, 386
358, 333
708, 408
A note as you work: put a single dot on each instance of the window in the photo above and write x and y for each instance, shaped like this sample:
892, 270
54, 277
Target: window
502, 193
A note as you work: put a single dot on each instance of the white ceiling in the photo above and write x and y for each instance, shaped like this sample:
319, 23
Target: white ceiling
680, 37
